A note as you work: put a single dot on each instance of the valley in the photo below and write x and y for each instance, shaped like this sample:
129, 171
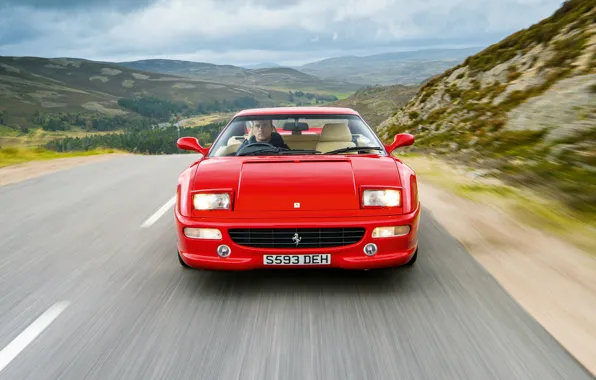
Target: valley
68, 99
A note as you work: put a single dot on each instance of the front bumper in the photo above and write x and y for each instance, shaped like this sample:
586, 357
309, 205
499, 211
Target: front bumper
391, 251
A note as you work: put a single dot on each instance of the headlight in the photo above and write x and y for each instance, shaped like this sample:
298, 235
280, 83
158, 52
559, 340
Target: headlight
383, 198
220, 201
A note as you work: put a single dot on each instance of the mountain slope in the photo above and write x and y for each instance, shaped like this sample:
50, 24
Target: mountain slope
376, 104
273, 77
262, 65
410, 67
29, 84
523, 109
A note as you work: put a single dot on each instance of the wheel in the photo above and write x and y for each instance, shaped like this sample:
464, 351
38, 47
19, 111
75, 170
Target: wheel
413, 259
182, 261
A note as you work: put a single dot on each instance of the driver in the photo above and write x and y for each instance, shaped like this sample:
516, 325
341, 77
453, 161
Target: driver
262, 131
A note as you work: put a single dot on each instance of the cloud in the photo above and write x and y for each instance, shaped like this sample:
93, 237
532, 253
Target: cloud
248, 30
79, 4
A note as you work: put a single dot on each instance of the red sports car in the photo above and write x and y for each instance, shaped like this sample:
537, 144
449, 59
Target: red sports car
297, 187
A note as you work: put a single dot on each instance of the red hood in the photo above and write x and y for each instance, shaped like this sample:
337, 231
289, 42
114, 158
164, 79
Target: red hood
278, 183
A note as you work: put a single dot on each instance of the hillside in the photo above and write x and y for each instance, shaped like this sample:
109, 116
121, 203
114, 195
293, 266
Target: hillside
272, 77
30, 85
523, 110
410, 67
262, 65
377, 103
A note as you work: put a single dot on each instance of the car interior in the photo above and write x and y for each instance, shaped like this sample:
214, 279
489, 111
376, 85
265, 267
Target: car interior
335, 135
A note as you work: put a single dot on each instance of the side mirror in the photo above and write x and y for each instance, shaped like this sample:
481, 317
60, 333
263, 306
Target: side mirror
191, 143
401, 139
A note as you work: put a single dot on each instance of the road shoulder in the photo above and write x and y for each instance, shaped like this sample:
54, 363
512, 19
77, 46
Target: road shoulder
551, 278
21, 172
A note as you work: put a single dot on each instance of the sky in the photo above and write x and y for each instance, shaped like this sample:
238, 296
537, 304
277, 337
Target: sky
288, 32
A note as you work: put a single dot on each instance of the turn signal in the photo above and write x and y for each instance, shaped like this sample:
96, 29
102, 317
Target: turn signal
391, 231
202, 233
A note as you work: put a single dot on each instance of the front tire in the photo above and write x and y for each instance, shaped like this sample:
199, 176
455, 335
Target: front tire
413, 259
182, 261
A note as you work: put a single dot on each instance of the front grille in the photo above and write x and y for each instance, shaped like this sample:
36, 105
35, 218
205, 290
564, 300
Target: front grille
286, 237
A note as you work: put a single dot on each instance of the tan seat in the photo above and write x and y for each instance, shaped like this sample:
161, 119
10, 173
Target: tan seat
302, 141
227, 149
335, 136
236, 140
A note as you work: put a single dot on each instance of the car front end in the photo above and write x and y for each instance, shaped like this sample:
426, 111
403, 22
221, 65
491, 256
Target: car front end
346, 242
359, 212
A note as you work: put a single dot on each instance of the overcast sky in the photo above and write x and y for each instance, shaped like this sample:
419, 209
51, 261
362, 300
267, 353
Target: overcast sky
252, 31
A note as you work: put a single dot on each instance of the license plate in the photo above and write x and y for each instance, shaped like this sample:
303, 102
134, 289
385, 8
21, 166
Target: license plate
297, 259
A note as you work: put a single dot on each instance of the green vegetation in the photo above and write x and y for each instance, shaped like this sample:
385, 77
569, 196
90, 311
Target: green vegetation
513, 73
470, 125
30, 85
162, 110
572, 12
68, 105
305, 98
12, 155
567, 50
145, 141
529, 207
91, 122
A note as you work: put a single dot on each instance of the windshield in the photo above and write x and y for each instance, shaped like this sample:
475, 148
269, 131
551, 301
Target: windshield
296, 134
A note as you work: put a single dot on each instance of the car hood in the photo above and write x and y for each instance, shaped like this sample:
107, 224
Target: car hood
293, 183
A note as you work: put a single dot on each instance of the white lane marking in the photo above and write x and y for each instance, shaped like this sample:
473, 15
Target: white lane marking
158, 214
30, 333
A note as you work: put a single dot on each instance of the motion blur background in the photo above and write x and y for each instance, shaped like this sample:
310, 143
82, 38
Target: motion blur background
500, 95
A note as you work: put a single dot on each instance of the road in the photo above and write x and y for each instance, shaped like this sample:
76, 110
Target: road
75, 245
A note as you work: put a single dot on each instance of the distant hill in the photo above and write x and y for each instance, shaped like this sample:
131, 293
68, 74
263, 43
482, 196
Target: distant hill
410, 67
376, 104
263, 65
523, 109
273, 77
29, 85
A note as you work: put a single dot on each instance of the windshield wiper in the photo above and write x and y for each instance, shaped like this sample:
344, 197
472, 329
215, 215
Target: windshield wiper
299, 151
354, 149
281, 151
259, 151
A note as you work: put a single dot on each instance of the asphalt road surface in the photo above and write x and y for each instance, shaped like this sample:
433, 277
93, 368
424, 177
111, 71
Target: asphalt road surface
90, 290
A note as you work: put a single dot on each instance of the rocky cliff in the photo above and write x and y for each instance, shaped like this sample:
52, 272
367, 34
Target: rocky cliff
523, 109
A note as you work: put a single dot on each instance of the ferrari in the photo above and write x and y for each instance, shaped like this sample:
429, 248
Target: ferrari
297, 187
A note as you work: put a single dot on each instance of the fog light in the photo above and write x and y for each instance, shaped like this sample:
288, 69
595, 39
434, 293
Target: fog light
370, 249
223, 251
391, 231
202, 233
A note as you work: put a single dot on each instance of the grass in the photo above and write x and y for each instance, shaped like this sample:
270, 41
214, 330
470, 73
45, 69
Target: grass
572, 11
37, 136
7, 131
12, 155
527, 207
206, 119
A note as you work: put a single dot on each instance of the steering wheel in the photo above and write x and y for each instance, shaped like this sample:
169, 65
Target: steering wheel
257, 145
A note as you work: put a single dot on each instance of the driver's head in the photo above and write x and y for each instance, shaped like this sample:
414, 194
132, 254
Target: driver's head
262, 129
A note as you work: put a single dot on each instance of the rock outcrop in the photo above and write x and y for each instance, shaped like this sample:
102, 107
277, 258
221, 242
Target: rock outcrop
525, 106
